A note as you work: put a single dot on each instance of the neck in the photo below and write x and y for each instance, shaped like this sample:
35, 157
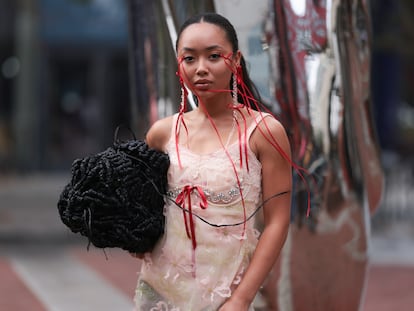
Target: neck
216, 106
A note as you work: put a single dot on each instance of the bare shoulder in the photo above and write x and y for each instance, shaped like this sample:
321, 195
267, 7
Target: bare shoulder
159, 133
269, 132
269, 123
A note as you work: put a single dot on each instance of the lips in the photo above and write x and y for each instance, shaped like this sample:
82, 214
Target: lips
202, 85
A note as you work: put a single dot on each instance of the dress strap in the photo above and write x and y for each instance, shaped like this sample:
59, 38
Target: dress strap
173, 125
258, 119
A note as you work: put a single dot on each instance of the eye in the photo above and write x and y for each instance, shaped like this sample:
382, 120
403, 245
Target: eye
215, 56
188, 59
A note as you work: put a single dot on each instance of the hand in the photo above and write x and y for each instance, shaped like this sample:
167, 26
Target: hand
234, 304
137, 255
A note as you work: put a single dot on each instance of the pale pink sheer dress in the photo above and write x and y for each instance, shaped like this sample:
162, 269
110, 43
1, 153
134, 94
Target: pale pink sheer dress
174, 276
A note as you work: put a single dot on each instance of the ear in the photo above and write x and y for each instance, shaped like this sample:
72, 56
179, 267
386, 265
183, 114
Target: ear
237, 58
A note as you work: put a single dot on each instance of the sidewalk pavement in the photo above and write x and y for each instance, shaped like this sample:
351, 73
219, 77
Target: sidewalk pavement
28, 209
29, 218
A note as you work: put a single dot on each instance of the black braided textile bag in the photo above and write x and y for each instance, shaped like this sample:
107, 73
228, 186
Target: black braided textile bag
116, 197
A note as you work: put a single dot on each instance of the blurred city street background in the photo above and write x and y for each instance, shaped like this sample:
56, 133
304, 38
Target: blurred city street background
75, 90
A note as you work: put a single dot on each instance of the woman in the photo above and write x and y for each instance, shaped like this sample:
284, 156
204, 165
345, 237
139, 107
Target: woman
227, 160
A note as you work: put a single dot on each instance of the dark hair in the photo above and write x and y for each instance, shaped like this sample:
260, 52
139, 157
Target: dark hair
224, 23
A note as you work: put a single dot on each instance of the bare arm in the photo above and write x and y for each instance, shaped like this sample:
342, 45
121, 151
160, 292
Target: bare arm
276, 178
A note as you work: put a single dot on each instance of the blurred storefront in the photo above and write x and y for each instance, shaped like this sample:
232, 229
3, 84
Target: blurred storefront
393, 94
392, 75
64, 80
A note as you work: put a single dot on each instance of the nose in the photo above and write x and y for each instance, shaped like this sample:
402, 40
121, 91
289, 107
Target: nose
201, 67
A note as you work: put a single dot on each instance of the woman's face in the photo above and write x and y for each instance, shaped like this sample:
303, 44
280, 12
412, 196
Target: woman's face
205, 59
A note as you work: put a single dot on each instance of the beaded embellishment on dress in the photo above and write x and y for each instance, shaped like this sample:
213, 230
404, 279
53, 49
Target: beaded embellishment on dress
223, 197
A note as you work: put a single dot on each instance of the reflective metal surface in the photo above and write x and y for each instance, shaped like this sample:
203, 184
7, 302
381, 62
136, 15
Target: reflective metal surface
311, 62
323, 92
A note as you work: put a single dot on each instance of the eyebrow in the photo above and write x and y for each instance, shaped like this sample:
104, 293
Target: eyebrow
209, 48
